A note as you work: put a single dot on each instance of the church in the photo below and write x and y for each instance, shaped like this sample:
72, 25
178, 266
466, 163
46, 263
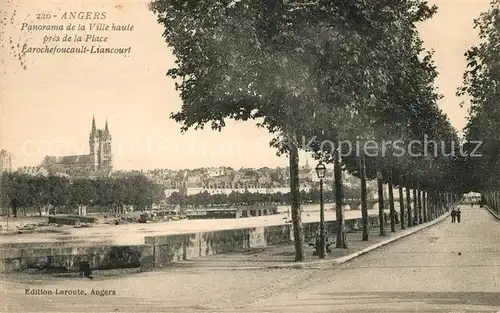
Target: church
99, 163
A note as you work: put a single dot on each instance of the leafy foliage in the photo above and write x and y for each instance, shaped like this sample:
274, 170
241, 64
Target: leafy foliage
24, 191
247, 198
481, 83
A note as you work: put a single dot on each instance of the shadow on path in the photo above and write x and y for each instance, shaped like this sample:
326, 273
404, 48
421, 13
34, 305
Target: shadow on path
433, 298
379, 302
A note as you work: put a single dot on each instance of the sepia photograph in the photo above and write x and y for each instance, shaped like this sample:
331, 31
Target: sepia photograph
250, 156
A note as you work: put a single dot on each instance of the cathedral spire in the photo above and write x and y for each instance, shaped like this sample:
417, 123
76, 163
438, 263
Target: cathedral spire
94, 128
106, 130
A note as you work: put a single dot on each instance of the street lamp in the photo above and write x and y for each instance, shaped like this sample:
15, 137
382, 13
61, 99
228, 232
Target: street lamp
321, 171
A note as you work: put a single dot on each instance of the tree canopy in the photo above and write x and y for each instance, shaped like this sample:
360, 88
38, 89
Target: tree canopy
33, 192
480, 84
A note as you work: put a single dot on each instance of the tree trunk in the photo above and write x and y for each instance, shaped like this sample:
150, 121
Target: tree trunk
298, 234
401, 204
445, 201
435, 204
432, 205
391, 204
14, 210
497, 209
419, 201
424, 205
380, 188
341, 237
438, 203
364, 206
441, 203
415, 204
428, 199
495, 200
492, 203
408, 205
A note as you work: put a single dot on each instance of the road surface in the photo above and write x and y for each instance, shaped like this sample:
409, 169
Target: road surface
446, 268
421, 273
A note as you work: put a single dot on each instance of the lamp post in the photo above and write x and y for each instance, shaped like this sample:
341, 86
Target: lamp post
321, 171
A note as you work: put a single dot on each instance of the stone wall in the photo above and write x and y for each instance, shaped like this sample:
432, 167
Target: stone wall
161, 251
175, 248
67, 258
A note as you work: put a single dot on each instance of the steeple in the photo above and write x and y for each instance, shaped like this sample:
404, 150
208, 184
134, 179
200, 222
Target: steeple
94, 128
106, 130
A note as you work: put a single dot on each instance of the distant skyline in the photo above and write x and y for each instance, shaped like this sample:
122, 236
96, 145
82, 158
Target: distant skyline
47, 109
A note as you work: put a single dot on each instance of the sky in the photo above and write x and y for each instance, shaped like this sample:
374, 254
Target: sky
48, 101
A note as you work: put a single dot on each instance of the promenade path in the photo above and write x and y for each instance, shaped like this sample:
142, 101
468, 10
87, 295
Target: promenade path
446, 268
423, 272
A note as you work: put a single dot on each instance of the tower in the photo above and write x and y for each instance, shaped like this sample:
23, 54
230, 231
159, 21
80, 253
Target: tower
5, 162
100, 148
94, 144
106, 155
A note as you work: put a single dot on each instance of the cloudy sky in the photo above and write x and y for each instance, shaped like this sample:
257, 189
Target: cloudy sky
47, 108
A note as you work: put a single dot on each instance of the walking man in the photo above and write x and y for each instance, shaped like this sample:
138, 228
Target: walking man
458, 215
453, 215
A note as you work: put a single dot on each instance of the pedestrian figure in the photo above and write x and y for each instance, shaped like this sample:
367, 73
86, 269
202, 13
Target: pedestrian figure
472, 205
458, 215
84, 268
453, 215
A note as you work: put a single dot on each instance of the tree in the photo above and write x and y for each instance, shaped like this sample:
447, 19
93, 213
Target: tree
84, 193
300, 71
104, 192
245, 60
175, 198
388, 63
480, 83
21, 193
5, 200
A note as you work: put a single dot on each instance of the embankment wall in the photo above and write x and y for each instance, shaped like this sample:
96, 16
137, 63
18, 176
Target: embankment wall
160, 251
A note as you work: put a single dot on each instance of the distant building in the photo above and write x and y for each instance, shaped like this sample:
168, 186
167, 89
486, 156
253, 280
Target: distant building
5, 162
99, 162
33, 170
217, 171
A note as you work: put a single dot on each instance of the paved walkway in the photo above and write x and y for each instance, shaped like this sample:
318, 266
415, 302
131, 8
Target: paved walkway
448, 268
284, 255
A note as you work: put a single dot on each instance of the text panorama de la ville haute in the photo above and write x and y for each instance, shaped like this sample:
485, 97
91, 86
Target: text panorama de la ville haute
75, 33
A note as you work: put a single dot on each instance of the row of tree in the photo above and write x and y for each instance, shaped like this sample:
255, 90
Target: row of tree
31, 193
325, 71
481, 83
247, 198
34, 192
